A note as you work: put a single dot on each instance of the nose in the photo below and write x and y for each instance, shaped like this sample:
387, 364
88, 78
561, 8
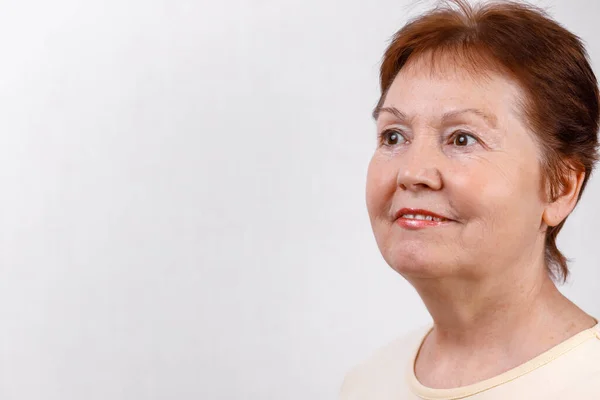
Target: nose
419, 168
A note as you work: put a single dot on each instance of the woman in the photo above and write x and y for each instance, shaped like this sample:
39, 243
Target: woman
487, 135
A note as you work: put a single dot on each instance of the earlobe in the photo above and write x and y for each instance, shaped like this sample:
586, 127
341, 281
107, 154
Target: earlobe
550, 216
560, 208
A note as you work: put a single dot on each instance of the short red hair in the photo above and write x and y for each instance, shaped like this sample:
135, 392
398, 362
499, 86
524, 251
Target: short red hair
549, 63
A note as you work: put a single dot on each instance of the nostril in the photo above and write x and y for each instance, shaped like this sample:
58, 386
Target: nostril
424, 178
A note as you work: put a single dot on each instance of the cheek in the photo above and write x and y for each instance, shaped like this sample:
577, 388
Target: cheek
499, 197
380, 186
487, 182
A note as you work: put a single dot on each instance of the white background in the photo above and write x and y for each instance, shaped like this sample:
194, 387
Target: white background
182, 205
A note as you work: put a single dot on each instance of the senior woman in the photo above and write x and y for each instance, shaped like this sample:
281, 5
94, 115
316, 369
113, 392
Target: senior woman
487, 135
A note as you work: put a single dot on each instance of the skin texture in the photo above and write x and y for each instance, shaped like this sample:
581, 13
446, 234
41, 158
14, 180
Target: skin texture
482, 275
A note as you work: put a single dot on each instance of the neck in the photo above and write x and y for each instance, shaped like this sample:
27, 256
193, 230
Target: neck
509, 319
471, 310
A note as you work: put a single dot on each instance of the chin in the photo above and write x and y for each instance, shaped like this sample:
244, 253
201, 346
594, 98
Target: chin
417, 262
417, 270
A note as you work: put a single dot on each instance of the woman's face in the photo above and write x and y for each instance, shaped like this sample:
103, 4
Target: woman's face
457, 146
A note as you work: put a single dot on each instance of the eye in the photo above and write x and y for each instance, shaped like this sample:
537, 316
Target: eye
463, 139
391, 137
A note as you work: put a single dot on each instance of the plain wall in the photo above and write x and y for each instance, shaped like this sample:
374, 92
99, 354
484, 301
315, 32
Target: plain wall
182, 207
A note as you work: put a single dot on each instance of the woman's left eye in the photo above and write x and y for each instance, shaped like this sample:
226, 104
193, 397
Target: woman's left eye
463, 139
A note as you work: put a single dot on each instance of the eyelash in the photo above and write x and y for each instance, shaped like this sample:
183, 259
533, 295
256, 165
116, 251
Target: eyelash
383, 135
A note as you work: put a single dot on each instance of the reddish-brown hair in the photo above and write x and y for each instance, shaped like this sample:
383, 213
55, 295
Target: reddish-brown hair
561, 104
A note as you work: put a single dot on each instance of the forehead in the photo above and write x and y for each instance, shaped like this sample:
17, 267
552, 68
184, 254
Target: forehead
447, 84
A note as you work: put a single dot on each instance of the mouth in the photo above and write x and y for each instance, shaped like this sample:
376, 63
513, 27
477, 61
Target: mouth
411, 218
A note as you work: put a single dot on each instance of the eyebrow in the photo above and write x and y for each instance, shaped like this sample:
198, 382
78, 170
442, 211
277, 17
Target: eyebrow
490, 119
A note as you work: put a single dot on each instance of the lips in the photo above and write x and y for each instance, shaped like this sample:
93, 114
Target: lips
419, 212
417, 219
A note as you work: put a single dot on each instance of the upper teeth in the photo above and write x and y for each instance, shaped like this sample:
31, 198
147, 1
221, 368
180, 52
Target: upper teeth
423, 217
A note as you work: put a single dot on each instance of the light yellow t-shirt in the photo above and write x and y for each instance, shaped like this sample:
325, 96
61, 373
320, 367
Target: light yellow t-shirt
568, 371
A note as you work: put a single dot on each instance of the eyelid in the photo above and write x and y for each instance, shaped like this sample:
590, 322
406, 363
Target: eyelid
384, 130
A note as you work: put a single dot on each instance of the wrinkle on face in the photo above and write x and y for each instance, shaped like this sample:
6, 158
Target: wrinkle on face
492, 189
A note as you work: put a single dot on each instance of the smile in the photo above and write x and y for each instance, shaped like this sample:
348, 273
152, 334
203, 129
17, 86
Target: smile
422, 217
420, 221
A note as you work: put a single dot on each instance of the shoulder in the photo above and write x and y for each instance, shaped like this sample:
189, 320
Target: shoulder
576, 374
382, 375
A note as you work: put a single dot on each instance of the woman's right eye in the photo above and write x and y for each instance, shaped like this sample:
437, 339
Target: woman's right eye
391, 137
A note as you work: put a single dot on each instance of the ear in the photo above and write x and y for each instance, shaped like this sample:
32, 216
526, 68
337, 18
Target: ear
557, 211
